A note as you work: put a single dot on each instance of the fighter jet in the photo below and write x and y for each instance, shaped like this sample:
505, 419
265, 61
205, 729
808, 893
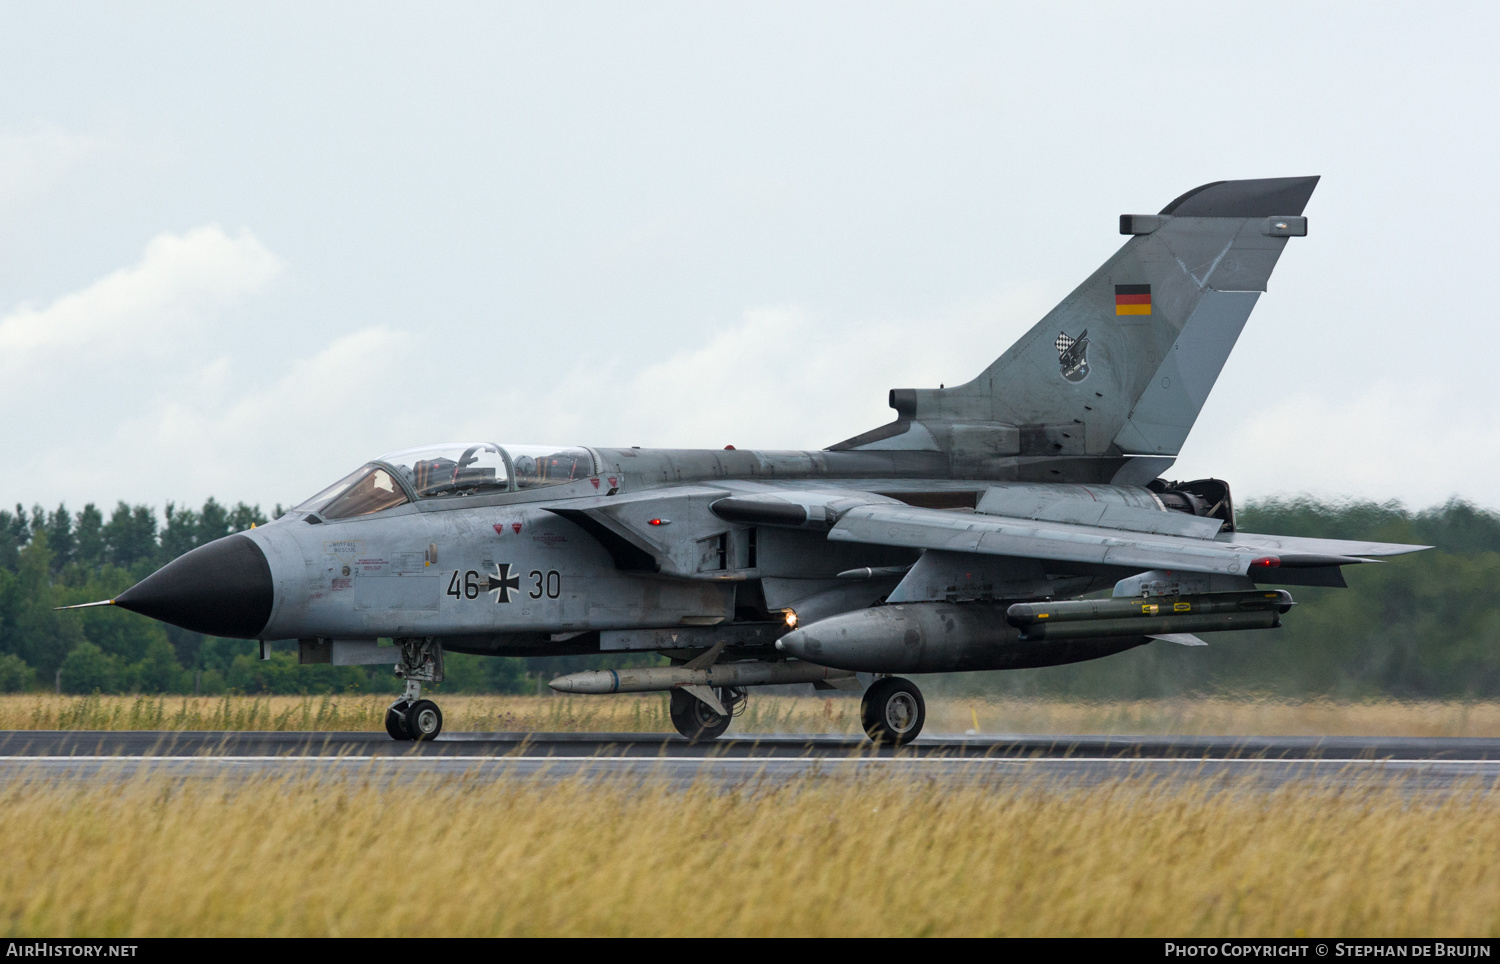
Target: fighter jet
959, 537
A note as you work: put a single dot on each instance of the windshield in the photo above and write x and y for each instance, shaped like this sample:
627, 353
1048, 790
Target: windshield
368, 490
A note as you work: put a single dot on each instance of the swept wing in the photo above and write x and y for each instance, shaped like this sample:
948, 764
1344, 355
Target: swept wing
1123, 544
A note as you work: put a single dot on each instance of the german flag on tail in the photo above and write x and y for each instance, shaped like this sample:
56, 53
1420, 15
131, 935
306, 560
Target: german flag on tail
1132, 299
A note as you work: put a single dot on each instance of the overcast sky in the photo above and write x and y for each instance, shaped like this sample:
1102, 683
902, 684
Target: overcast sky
244, 248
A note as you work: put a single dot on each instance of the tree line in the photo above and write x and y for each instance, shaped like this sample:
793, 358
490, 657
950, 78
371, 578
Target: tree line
1419, 626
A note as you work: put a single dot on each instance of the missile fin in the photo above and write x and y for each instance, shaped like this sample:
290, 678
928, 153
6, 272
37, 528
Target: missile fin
708, 657
1181, 639
707, 696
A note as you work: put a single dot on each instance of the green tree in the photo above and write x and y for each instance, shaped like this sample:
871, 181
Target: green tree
180, 533
87, 668
213, 522
35, 632
15, 675
158, 671
122, 634
13, 536
465, 674
60, 537
130, 538
88, 549
507, 675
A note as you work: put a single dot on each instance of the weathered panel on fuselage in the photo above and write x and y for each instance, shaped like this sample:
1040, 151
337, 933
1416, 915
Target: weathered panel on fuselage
491, 569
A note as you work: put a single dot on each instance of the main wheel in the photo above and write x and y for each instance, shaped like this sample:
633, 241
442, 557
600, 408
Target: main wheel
893, 711
395, 720
424, 720
695, 719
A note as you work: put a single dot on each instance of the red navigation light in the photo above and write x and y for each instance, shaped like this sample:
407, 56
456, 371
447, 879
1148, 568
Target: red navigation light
1265, 562
658, 522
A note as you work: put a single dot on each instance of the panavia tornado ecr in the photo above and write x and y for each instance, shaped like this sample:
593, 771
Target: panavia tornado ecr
959, 537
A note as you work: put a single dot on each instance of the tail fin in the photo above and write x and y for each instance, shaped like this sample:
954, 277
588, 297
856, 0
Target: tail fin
1124, 364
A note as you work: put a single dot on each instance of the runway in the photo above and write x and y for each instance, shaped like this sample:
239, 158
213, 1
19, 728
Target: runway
1416, 763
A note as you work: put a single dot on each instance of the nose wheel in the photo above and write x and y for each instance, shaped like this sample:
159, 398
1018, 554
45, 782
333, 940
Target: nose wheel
424, 721
411, 717
893, 711
413, 720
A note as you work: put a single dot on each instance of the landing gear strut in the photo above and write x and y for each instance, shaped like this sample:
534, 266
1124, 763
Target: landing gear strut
411, 717
700, 722
893, 711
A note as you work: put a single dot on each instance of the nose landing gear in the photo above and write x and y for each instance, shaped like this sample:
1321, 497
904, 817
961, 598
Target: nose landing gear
411, 717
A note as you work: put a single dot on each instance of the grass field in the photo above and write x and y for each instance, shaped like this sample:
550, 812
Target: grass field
765, 714
878, 855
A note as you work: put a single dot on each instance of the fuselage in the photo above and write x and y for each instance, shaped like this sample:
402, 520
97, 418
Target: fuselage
528, 570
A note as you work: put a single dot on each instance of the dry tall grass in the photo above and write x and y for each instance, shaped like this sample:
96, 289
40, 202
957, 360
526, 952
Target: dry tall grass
766, 714
878, 855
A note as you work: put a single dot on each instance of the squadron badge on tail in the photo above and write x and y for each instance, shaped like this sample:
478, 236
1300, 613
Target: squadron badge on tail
1072, 355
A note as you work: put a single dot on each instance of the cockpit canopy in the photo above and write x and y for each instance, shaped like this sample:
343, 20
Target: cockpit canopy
448, 471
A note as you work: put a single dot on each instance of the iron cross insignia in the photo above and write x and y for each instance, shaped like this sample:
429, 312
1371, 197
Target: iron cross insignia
502, 583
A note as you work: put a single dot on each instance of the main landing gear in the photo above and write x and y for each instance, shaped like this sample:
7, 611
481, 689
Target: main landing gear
698, 721
893, 711
411, 717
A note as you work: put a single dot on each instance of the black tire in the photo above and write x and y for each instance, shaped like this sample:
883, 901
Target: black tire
694, 718
893, 711
424, 721
395, 721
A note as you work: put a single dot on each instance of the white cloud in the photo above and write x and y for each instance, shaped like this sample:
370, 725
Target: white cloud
180, 281
786, 377
287, 435
76, 372
238, 428
1416, 443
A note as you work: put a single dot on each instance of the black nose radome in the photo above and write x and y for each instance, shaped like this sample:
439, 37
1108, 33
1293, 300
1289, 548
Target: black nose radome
221, 589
